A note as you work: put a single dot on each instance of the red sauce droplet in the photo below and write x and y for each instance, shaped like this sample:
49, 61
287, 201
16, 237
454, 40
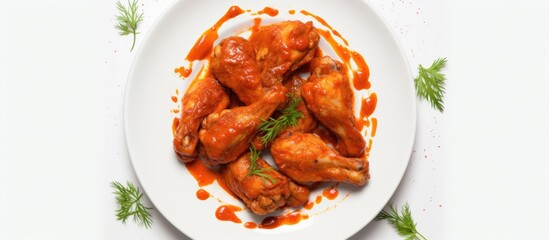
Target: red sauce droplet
227, 213
309, 205
360, 123
369, 147
204, 45
331, 192
202, 194
269, 11
374, 127
318, 199
291, 12
174, 99
184, 72
175, 110
286, 219
362, 74
203, 175
175, 124
257, 23
323, 22
250, 225
368, 105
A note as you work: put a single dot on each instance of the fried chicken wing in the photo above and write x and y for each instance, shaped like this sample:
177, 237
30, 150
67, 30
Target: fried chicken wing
204, 96
306, 123
283, 47
328, 95
226, 135
305, 158
262, 196
234, 65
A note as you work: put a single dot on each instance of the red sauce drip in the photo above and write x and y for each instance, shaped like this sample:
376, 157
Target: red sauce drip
340, 50
374, 127
257, 23
369, 147
175, 124
184, 72
360, 123
362, 74
331, 192
286, 219
318, 199
202, 194
223, 185
227, 213
291, 12
250, 225
204, 45
269, 11
174, 99
368, 105
326, 136
175, 110
203, 175
323, 22
309, 205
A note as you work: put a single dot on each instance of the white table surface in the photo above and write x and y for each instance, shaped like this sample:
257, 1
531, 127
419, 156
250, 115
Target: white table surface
478, 170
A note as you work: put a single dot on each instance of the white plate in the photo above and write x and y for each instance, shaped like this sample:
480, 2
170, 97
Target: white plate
148, 119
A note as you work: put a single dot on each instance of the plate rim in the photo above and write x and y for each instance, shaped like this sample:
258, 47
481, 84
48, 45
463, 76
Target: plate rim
163, 14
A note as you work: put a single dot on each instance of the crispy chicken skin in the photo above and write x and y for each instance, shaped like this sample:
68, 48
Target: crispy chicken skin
204, 96
234, 65
261, 195
328, 95
226, 135
305, 158
283, 47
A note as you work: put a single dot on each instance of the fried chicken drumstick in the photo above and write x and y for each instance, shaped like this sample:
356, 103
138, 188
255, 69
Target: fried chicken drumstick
305, 158
262, 195
328, 95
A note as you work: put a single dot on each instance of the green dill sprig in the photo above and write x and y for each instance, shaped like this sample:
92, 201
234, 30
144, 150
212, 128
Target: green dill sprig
128, 19
255, 169
430, 83
129, 202
271, 127
403, 223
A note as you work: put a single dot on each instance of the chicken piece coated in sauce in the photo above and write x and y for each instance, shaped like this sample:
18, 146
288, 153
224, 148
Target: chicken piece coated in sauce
262, 196
203, 97
226, 135
328, 95
234, 65
306, 123
305, 158
283, 47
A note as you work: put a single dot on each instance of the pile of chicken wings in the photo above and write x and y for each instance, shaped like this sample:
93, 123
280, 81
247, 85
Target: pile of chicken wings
251, 81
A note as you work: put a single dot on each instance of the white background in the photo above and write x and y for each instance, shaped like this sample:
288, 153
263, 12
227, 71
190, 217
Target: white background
478, 171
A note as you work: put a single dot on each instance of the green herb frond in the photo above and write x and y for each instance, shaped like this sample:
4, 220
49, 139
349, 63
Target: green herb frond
430, 83
255, 169
128, 19
129, 202
271, 127
403, 223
